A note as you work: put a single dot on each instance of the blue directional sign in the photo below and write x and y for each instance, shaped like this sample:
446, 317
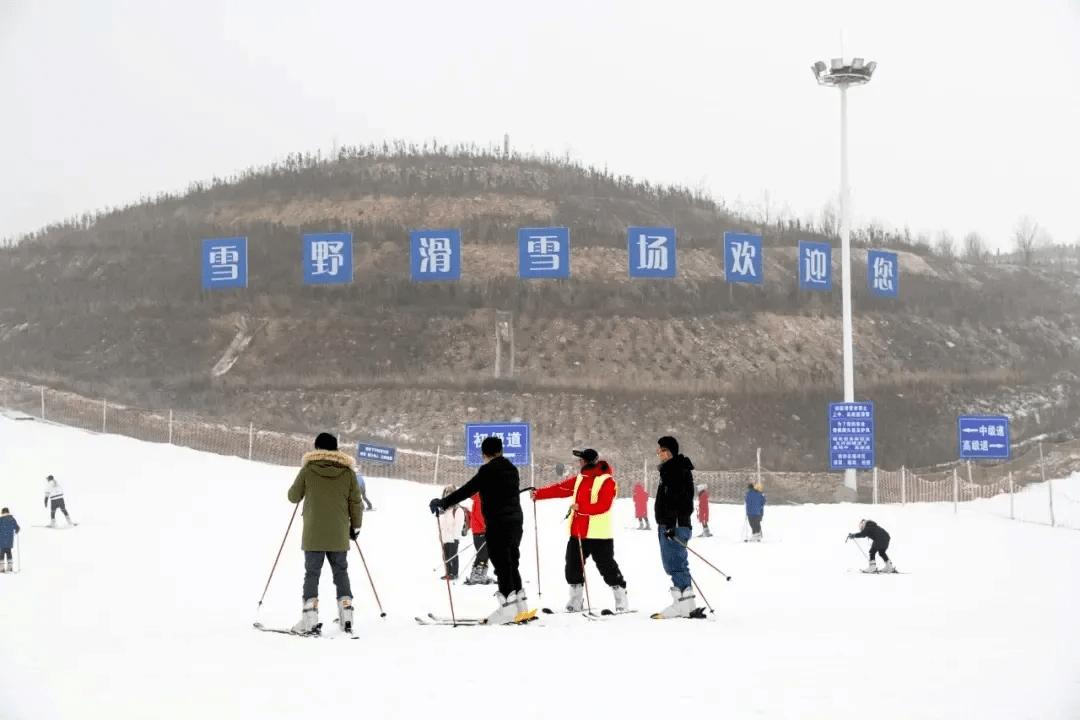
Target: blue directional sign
224, 263
883, 273
651, 251
983, 437
851, 436
515, 438
327, 258
544, 253
376, 453
435, 254
815, 265
742, 258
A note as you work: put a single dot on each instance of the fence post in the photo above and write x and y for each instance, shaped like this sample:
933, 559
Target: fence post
903, 485
874, 501
1012, 511
759, 466
170, 427
42, 402
645, 475
955, 490
251, 439
971, 483
1049, 485
532, 470
435, 476
104, 416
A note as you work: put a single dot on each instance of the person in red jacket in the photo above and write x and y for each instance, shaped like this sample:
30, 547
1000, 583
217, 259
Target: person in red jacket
478, 575
703, 509
641, 506
593, 491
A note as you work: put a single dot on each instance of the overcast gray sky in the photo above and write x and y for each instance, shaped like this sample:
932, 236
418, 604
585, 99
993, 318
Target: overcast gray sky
970, 121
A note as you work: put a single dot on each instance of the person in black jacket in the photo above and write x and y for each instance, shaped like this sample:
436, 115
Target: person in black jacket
673, 509
879, 543
499, 485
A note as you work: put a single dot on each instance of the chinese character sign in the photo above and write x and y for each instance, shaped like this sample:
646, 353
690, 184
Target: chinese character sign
544, 253
983, 437
224, 263
514, 436
327, 258
651, 252
742, 258
435, 254
815, 265
883, 273
851, 436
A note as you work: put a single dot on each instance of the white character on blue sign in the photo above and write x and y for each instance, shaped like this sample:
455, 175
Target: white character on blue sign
327, 257
435, 256
742, 258
652, 252
224, 262
513, 440
884, 274
543, 252
815, 266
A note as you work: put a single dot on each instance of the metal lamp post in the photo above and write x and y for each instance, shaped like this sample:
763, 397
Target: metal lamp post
843, 75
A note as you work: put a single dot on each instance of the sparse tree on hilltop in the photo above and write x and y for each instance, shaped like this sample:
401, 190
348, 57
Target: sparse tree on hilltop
974, 247
945, 245
1026, 236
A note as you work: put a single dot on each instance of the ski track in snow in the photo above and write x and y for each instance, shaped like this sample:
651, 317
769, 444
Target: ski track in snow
146, 609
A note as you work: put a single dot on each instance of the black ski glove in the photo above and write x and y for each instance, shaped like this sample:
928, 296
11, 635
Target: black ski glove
850, 536
354, 533
669, 533
435, 506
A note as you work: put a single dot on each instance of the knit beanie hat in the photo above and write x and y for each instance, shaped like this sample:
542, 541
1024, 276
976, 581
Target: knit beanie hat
325, 441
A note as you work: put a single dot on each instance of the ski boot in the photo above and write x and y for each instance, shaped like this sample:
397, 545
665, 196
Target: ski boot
506, 612
577, 598
345, 613
888, 567
622, 603
309, 622
682, 604
524, 614
871, 568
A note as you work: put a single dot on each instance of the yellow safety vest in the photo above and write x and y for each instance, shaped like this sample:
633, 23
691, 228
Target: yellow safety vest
600, 526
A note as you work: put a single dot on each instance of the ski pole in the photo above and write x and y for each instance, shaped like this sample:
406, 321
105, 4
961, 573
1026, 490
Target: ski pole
536, 541
858, 546
584, 579
726, 576
698, 588
446, 574
373, 590
18, 551
295, 508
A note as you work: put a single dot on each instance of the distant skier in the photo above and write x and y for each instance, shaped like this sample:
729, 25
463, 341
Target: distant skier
755, 510
9, 528
333, 513
499, 484
363, 492
673, 507
478, 575
54, 500
641, 506
593, 491
879, 543
703, 509
450, 523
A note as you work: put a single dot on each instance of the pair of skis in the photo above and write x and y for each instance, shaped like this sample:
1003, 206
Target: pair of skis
316, 634
433, 619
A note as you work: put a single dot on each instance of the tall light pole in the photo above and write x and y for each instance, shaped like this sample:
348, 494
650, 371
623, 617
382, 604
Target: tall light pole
843, 75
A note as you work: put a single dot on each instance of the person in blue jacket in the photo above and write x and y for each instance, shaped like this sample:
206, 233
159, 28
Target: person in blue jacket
755, 510
363, 492
8, 529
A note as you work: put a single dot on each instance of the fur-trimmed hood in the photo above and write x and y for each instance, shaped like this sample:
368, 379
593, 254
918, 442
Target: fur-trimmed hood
328, 463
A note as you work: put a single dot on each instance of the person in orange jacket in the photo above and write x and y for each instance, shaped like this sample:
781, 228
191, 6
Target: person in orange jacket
593, 491
641, 506
703, 509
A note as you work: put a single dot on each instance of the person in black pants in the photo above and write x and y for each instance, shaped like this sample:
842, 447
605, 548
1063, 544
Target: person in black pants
879, 543
499, 485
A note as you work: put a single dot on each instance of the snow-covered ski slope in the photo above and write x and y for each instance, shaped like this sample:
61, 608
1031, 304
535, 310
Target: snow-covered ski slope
145, 610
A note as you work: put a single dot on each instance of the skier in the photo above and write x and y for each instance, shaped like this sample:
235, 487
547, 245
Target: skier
363, 492
673, 508
498, 483
593, 491
703, 509
450, 522
333, 513
54, 500
9, 528
755, 510
478, 575
879, 543
641, 506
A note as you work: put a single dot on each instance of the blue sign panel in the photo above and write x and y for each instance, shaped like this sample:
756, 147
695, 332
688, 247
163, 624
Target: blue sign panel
224, 263
375, 453
883, 273
327, 258
651, 251
544, 253
742, 258
851, 436
515, 438
435, 254
815, 265
983, 437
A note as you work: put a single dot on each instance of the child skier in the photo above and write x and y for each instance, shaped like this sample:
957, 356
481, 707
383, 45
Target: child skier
641, 506
9, 528
478, 575
755, 509
450, 524
703, 509
54, 500
879, 543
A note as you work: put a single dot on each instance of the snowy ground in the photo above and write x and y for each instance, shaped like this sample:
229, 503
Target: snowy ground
145, 609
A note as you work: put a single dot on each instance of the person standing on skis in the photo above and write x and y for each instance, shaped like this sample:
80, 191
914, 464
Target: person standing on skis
879, 543
703, 509
593, 491
641, 506
673, 509
478, 527
755, 510
498, 483
450, 523
54, 500
333, 513
9, 528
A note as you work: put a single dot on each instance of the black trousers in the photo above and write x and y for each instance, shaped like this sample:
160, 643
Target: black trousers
603, 554
879, 548
504, 550
339, 565
58, 504
480, 543
755, 523
5, 553
450, 558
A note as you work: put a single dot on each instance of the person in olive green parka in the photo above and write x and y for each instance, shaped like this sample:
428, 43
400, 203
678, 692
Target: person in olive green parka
333, 511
